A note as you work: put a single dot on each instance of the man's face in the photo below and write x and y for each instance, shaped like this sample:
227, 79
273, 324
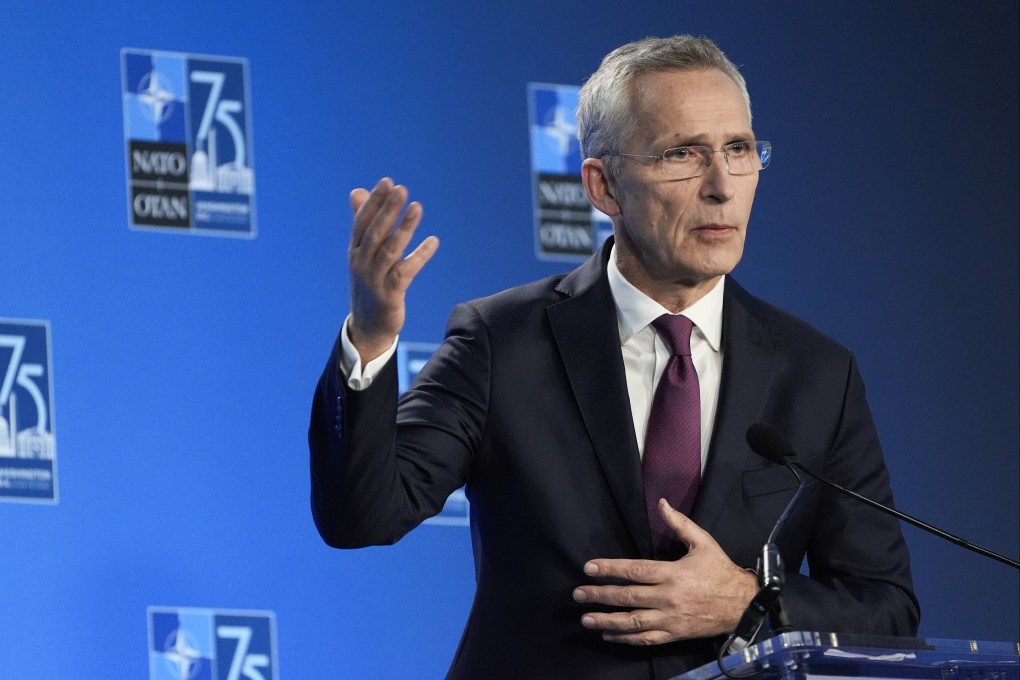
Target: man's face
682, 232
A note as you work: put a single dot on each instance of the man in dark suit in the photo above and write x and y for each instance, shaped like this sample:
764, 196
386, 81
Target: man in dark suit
544, 401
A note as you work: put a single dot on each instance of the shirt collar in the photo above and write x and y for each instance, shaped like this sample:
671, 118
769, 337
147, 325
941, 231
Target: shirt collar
635, 310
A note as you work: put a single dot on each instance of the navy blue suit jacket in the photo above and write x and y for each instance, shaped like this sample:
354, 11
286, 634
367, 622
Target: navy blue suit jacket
526, 403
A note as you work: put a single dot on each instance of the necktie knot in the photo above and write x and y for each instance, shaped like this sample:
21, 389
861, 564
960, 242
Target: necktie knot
676, 331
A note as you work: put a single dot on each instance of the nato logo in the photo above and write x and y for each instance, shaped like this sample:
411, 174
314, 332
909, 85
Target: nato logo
205, 644
28, 445
187, 129
567, 227
411, 358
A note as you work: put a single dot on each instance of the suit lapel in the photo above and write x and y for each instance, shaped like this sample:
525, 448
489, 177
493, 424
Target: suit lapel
749, 359
586, 333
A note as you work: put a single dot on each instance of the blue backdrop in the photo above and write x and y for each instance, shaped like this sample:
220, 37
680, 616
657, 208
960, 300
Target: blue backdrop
183, 366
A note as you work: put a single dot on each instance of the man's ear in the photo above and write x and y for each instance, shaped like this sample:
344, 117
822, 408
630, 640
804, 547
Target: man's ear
599, 187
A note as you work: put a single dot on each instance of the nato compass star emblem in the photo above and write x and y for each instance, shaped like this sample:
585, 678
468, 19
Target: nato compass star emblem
181, 654
155, 98
561, 128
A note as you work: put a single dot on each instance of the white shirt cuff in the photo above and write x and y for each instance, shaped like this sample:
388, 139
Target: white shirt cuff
357, 377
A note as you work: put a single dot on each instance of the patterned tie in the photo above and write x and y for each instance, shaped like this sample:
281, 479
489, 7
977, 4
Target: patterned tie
671, 466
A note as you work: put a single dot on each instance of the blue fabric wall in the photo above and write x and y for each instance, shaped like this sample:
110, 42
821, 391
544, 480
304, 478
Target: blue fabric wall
183, 366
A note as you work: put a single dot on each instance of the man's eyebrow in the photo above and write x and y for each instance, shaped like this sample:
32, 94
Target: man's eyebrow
702, 139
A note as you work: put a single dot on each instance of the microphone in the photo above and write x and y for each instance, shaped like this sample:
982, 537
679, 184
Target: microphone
769, 443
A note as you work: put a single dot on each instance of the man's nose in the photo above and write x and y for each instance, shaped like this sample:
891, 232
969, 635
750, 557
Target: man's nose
717, 182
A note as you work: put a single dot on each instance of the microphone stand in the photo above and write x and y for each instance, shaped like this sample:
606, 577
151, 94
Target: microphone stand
905, 517
771, 579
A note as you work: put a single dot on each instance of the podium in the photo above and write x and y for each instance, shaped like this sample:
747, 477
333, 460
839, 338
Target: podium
831, 656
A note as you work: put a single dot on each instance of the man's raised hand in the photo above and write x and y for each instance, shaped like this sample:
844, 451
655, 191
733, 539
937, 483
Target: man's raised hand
380, 274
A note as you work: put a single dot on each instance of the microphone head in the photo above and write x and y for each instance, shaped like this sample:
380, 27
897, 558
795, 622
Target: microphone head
769, 443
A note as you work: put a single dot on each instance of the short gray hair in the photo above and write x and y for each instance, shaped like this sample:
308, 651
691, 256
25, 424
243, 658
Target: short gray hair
604, 117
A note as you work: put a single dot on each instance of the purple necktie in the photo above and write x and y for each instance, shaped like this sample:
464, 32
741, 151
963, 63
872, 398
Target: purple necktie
671, 466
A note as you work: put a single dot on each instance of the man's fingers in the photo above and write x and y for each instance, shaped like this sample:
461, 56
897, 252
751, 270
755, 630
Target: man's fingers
640, 621
419, 257
380, 211
358, 197
365, 206
655, 637
376, 213
377, 246
395, 271
619, 596
638, 571
684, 527
401, 274
391, 249
630, 628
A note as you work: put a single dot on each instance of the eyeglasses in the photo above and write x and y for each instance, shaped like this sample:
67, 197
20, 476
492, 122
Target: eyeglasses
686, 162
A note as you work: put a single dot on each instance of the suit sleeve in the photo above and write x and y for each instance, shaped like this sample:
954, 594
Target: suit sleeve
378, 467
859, 566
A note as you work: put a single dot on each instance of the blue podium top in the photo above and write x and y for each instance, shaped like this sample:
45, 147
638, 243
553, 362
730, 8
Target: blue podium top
802, 655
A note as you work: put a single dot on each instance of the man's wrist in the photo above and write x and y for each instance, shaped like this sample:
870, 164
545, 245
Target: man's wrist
357, 373
369, 348
746, 589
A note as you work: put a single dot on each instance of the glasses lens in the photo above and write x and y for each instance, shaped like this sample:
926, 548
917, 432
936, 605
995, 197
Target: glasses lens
684, 162
747, 157
764, 153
